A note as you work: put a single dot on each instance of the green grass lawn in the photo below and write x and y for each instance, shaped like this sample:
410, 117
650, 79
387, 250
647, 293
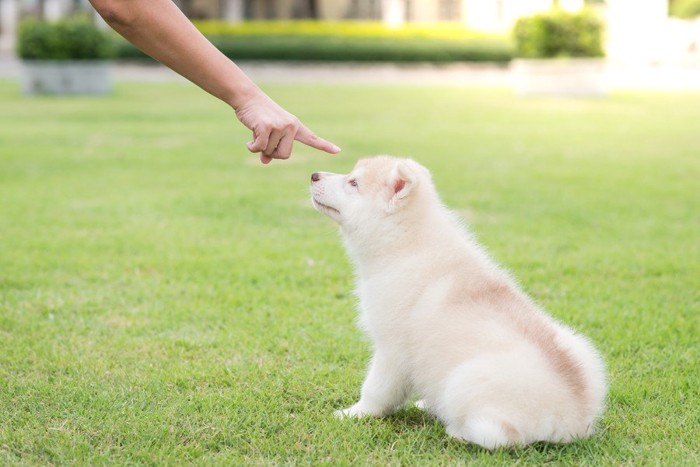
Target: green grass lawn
164, 298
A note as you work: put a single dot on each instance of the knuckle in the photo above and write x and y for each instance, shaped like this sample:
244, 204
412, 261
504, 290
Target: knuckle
280, 154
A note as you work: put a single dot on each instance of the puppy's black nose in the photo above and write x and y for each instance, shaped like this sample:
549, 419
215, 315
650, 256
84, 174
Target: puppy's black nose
315, 177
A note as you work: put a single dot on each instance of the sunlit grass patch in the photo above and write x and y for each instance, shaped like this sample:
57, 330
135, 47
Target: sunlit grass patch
165, 300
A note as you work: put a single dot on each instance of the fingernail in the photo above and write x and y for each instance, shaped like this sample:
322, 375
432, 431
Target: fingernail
336, 148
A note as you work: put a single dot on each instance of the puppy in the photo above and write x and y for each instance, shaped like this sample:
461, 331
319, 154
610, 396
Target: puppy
450, 325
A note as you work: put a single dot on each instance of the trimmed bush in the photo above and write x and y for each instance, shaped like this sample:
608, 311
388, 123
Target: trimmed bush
358, 49
686, 9
362, 29
347, 41
69, 39
559, 34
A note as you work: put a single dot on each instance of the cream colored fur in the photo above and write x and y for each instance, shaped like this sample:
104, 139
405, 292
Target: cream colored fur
448, 324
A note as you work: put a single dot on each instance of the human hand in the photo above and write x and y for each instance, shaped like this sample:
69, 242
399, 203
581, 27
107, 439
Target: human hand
275, 129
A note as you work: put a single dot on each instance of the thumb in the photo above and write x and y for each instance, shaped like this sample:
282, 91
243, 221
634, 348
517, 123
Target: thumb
259, 142
306, 136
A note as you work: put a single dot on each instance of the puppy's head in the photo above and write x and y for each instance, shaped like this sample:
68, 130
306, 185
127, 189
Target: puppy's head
376, 188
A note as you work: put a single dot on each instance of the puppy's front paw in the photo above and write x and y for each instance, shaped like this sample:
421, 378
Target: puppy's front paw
341, 414
351, 412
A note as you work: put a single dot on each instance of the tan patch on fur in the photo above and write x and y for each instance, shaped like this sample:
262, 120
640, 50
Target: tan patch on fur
511, 432
376, 173
505, 298
493, 292
544, 337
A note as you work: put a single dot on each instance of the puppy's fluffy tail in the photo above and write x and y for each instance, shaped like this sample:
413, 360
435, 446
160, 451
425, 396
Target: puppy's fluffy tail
511, 398
487, 433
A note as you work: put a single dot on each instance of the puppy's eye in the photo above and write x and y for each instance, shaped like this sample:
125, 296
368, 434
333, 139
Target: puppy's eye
352, 182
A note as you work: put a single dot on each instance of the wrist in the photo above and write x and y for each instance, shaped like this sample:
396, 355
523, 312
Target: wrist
243, 92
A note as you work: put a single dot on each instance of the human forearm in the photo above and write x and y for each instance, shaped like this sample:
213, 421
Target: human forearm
162, 31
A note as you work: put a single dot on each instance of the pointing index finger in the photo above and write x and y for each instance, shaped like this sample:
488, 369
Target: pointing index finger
306, 136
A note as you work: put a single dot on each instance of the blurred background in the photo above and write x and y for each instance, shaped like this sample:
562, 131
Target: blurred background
648, 44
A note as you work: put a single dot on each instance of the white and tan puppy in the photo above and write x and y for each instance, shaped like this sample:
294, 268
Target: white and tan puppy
450, 325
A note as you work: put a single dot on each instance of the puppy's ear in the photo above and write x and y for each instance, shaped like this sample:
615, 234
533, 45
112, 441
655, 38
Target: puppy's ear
401, 181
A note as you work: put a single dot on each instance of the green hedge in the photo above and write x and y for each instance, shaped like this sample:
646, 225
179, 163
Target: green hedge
559, 34
69, 39
366, 29
356, 42
687, 9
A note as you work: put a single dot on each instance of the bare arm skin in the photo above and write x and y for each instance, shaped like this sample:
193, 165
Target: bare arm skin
160, 29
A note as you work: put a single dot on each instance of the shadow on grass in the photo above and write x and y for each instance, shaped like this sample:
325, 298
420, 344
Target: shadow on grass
411, 419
